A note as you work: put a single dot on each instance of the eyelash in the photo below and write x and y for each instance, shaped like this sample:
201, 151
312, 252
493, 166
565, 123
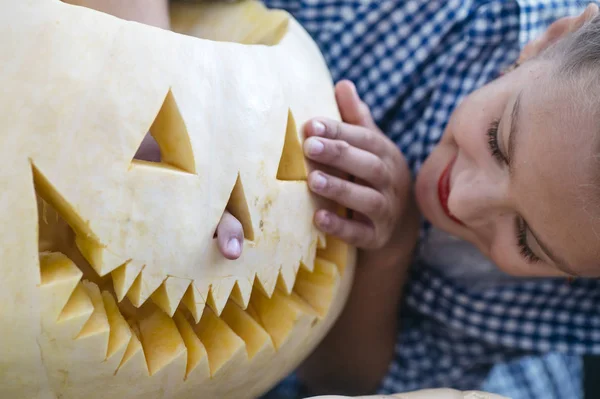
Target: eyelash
521, 232
524, 249
492, 136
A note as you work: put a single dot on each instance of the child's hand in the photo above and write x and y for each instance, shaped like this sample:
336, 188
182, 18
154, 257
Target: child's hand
379, 196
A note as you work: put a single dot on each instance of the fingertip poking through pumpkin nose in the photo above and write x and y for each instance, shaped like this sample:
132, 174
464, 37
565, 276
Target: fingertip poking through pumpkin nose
230, 236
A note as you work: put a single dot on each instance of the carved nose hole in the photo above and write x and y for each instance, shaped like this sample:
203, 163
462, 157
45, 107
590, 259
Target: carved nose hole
238, 207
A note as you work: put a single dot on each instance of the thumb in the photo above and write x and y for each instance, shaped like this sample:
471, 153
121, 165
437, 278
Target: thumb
352, 109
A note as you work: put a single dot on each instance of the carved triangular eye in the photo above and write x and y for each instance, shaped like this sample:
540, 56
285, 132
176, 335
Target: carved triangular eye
292, 165
238, 207
168, 141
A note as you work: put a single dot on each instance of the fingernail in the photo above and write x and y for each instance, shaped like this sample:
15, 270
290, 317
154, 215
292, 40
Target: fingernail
324, 219
318, 128
315, 147
233, 246
318, 181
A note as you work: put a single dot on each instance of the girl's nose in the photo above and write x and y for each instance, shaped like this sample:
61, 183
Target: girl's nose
476, 196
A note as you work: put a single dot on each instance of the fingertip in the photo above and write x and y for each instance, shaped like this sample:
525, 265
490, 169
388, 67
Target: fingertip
230, 248
313, 147
317, 181
314, 127
323, 220
346, 93
318, 128
346, 85
352, 109
230, 236
234, 248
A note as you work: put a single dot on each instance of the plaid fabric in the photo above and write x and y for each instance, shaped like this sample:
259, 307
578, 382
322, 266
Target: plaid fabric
412, 63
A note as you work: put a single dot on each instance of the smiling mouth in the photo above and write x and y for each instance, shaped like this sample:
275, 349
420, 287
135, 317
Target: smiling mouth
444, 191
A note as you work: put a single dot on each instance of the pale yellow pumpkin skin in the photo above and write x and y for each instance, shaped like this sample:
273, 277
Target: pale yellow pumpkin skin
112, 285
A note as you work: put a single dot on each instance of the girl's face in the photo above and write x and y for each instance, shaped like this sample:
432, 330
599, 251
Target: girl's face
515, 174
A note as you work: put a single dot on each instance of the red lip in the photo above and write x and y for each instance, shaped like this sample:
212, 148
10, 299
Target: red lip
444, 190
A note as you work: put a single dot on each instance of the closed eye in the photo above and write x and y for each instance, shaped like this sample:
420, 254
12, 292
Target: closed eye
524, 248
492, 136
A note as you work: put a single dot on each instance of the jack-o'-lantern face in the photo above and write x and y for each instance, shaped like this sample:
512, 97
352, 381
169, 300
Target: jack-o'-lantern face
112, 283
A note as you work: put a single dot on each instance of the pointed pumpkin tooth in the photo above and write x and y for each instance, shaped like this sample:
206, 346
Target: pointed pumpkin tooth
309, 256
120, 333
102, 260
78, 306
124, 277
170, 293
241, 292
219, 294
318, 288
287, 278
268, 280
279, 315
197, 362
98, 321
257, 340
308, 268
222, 344
92, 339
145, 284
195, 300
335, 252
57, 268
59, 278
134, 364
321, 240
161, 341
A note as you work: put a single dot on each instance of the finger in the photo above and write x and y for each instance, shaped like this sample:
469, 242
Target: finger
346, 158
230, 236
149, 150
358, 234
357, 136
352, 109
362, 199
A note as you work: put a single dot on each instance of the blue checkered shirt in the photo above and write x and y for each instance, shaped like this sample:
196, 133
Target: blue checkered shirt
412, 63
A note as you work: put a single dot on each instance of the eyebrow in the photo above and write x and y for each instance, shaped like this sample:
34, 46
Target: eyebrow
512, 134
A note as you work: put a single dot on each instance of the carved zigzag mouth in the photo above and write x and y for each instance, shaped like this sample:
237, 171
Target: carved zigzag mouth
160, 331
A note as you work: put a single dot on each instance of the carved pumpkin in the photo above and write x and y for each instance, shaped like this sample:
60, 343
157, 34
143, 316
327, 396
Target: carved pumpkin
112, 283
